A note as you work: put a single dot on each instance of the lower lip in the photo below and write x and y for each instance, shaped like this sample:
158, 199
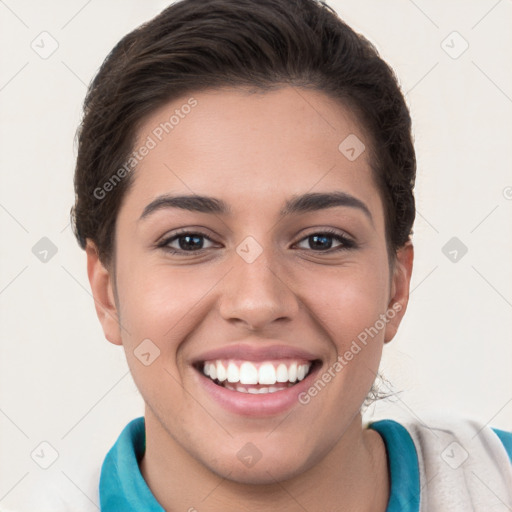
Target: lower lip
256, 405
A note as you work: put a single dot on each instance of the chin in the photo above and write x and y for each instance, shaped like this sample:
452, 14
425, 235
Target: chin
262, 473
267, 466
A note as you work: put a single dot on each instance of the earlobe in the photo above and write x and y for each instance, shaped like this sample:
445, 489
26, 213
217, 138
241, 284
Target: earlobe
400, 286
101, 280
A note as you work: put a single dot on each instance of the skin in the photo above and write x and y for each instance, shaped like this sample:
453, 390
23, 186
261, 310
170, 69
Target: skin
254, 151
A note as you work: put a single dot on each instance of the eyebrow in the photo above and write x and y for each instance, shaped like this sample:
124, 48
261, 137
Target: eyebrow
297, 204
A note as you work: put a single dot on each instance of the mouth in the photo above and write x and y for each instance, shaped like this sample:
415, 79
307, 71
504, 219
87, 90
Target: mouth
256, 380
257, 377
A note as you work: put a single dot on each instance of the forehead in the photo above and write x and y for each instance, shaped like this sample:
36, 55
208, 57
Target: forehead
252, 148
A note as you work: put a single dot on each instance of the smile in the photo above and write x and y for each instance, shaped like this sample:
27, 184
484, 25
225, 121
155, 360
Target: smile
256, 377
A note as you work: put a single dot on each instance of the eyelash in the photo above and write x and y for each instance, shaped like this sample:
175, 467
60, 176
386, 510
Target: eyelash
347, 244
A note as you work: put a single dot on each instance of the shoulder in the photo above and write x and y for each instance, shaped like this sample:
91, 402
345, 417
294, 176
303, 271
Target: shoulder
457, 440
461, 461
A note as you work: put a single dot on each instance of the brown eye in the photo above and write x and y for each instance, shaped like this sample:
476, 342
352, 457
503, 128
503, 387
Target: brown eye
323, 242
185, 242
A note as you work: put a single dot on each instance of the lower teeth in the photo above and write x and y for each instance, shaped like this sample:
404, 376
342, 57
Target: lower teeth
253, 390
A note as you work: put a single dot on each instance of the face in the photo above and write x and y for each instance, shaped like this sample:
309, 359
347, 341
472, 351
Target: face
268, 287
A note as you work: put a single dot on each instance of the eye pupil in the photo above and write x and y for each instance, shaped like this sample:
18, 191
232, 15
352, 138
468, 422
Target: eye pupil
314, 240
188, 244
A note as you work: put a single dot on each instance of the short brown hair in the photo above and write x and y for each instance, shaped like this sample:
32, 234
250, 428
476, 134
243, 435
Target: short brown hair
202, 44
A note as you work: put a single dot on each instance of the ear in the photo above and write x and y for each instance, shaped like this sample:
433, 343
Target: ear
399, 294
102, 290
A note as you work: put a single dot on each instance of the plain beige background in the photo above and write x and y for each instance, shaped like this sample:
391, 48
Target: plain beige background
62, 383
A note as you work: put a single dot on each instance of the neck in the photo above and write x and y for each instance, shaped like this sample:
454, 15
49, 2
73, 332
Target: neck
353, 476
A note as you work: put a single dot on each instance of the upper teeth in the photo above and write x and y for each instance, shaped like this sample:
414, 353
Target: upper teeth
248, 373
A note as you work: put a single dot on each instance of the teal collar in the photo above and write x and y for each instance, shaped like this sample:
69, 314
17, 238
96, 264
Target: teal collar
403, 467
122, 486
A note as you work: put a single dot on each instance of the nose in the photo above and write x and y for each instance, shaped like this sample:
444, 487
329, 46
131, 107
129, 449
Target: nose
257, 294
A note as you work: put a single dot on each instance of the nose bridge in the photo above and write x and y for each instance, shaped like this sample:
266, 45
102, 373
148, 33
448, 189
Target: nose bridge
256, 291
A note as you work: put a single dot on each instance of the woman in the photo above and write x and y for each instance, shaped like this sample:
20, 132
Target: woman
244, 188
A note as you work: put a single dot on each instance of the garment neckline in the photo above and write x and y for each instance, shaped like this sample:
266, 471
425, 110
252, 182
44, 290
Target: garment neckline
122, 486
403, 466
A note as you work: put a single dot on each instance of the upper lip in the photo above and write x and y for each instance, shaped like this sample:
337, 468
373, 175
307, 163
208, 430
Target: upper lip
256, 352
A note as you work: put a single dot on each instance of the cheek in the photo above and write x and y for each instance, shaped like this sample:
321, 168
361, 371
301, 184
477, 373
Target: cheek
348, 300
161, 303
160, 307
